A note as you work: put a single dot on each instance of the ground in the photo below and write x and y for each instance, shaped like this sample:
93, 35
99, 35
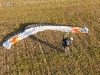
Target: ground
40, 54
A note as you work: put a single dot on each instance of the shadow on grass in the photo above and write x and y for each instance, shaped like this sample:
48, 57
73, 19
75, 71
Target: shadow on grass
45, 43
1, 43
21, 29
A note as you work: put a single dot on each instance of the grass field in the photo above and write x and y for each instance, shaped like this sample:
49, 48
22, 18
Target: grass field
40, 54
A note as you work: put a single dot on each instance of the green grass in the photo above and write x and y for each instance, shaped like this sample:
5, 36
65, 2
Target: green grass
40, 54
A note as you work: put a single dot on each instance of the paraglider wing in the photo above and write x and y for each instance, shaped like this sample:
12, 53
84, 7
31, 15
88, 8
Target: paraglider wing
32, 29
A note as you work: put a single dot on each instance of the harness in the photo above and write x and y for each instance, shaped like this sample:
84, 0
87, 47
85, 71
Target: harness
66, 42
